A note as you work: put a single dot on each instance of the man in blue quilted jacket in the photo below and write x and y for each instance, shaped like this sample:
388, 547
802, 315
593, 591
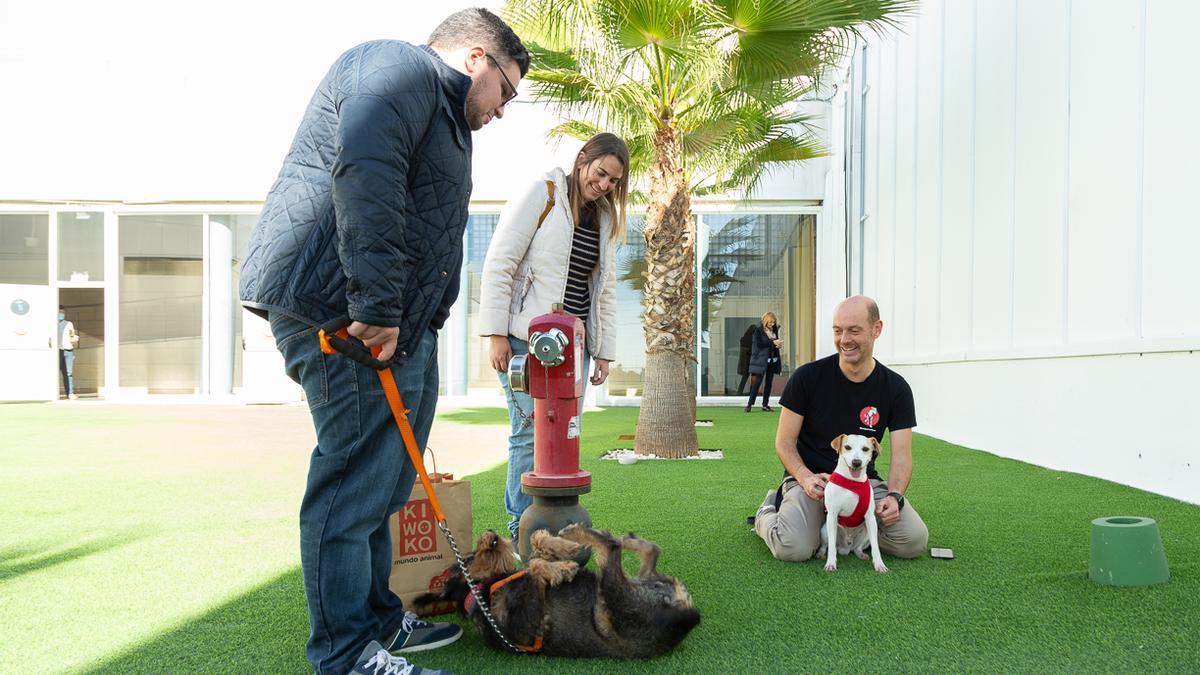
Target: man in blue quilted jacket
365, 224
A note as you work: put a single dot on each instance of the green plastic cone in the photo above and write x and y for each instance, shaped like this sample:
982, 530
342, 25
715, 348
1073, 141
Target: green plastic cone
1127, 551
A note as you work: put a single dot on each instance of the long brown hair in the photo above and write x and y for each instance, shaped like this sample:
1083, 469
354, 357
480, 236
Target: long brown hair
595, 148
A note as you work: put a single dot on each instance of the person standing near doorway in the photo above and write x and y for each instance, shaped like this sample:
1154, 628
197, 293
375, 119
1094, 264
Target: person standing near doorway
764, 359
68, 340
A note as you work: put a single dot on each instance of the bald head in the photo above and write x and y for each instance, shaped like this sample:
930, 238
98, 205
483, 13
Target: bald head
860, 303
856, 326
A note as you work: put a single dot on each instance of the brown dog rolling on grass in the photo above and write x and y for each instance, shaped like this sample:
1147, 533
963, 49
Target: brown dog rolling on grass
559, 609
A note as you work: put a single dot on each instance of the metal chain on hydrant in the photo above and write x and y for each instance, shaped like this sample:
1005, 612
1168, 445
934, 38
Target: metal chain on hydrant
476, 589
526, 419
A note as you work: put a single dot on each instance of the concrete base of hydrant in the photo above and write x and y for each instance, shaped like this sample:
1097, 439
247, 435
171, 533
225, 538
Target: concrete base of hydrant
552, 514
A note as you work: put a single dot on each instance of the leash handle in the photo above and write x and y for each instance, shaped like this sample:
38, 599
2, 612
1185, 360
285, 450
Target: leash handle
334, 338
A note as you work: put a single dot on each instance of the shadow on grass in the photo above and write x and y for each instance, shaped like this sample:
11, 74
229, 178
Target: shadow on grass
263, 631
18, 561
477, 416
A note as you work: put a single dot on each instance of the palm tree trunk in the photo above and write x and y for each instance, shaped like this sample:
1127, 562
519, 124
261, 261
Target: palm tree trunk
667, 419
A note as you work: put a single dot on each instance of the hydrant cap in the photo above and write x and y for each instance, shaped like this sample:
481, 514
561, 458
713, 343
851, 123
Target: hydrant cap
550, 347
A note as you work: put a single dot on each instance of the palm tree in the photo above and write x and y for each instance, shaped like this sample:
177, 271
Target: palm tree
705, 94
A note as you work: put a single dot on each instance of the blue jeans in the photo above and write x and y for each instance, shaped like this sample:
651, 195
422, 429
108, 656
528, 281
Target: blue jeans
66, 366
520, 437
358, 475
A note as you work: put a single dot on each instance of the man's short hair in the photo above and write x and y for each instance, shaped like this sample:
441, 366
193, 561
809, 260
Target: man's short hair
479, 26
872, 311
871, 306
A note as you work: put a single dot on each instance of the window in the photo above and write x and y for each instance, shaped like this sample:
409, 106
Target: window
24, 249
162, 286
80, 246
753, 264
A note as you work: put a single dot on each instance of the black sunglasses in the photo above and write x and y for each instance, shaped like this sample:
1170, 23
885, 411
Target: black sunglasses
513, 90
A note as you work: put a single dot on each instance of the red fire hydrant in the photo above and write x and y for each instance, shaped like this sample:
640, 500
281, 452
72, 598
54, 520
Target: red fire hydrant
552, 374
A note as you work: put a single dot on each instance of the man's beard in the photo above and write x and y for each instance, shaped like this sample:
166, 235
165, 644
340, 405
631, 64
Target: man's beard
474, 110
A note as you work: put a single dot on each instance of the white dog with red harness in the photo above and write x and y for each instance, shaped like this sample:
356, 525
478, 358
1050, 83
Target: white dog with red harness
850, 503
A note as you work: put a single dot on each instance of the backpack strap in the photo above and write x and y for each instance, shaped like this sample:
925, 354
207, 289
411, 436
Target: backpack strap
549, 202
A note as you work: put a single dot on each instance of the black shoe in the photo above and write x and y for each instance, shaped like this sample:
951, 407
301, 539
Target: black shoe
747, 408
766, 408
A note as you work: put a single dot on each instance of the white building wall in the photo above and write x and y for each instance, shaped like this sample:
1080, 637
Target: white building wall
1029, 169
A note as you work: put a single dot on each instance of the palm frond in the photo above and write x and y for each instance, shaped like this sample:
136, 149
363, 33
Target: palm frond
796, 38
726, 74
747, 171
557, 25
578, 129
544, 58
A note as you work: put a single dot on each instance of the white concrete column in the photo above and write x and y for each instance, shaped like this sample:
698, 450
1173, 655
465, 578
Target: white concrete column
220, 307
112, 307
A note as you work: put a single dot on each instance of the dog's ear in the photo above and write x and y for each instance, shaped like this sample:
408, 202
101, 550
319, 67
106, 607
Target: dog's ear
488, 540
837, 443
875, 447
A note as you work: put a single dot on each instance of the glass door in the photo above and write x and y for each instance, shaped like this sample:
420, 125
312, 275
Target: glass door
80, 281
28, 316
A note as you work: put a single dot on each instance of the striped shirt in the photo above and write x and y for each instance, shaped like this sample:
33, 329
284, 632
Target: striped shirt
585, 253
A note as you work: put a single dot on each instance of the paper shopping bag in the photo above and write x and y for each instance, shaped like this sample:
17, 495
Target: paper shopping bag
421, 555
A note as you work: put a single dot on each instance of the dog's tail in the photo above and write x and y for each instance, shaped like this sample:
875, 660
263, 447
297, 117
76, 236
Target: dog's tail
428, 599
452, 593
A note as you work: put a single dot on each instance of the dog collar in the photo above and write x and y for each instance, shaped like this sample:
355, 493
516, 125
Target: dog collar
469, 602
861, 488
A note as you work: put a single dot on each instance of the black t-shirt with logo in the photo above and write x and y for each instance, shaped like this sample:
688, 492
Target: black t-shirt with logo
833, 405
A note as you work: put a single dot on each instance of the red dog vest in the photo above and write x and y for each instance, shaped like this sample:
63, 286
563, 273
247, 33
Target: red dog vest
861, 488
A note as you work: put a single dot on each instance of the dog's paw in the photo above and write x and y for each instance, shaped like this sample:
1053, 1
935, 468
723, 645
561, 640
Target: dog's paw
862, 555
553, 573
589, 536
634, 543
574, 532
821, 552
880, 567
831, 567
549, 547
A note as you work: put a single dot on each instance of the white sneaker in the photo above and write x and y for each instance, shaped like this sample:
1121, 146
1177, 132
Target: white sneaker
768, 506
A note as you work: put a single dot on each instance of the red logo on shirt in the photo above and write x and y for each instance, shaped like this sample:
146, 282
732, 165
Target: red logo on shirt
869, 416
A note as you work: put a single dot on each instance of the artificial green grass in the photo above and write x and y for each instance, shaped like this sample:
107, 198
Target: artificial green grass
497, 416
129, 545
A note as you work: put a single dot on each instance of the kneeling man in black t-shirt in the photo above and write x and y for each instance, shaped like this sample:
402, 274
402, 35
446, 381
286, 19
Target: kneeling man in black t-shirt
847, 393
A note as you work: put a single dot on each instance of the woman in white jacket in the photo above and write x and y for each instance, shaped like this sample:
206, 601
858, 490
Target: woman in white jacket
554, 243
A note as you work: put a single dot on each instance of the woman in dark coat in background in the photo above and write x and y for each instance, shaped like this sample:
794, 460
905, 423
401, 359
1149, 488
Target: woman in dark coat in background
743, 367
764, 359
